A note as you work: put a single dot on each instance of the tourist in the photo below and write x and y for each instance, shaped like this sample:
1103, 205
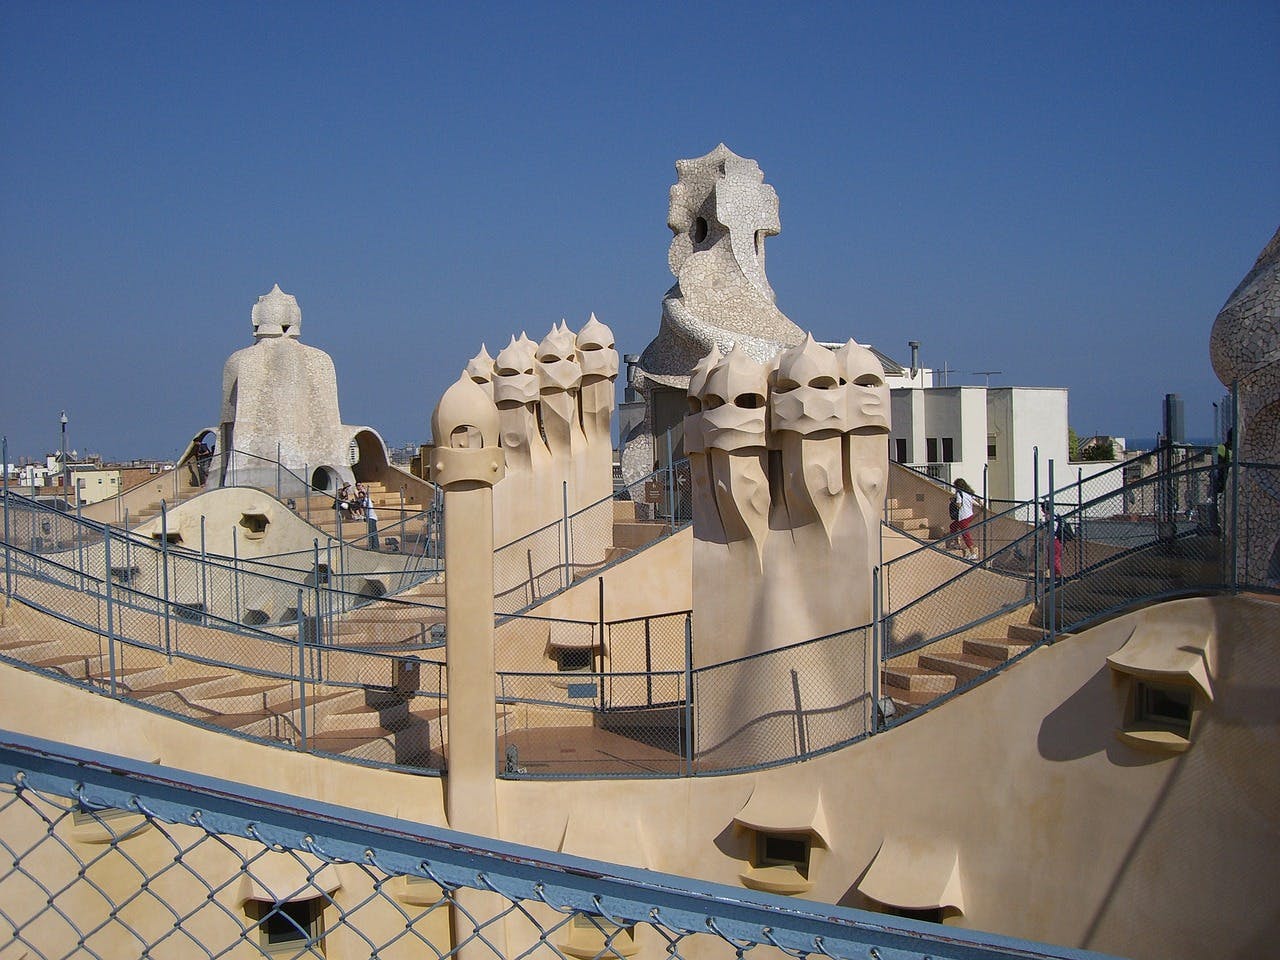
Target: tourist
370, 517
962, 516
342, 502
356, 501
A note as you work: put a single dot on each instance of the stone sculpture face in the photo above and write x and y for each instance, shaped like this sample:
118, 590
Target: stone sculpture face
596, 354
515, 383
480, 367
557, 363
695, 440
868, 394
808, 397
734, 403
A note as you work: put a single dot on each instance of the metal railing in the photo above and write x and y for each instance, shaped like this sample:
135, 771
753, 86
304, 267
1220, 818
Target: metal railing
365, 666
108, 857
538, 565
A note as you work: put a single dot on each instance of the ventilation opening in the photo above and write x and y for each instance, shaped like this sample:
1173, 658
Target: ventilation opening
255, 618
254, 525
320, 479
573, 659
320, 575
172, 537
699, 229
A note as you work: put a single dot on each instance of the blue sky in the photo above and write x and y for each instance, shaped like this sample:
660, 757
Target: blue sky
1065, 193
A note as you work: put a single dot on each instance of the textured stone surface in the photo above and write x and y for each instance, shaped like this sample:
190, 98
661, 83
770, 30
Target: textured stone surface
721, 213
1245, 348
280, 395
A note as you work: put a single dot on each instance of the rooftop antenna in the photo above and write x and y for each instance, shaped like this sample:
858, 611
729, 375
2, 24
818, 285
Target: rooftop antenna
945, 371
988, 374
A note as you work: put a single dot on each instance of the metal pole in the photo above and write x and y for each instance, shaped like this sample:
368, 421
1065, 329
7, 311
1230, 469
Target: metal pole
1052, 542
986, 499
278, 470
1035, 517
111, 623
235, 571
302, 680
164, 556
79, 540
688, 689
306, 485
1234, 467
1080, 518
564, 490
318, 638
204, 570
8, 571
877, 648
648, 661
402, 543
671, 483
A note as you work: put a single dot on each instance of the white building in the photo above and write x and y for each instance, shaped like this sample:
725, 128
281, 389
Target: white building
990, 436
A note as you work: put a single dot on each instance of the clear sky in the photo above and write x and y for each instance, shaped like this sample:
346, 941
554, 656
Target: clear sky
1066, 193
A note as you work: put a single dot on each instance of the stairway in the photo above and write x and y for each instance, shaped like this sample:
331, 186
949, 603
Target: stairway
916, 679
905, 518
388, 507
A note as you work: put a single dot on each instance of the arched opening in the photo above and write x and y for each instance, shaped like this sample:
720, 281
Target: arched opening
324, 478
371, 462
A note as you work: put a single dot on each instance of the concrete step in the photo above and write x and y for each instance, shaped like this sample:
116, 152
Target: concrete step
993, 648
637, 534
1025, 633
251, 695
78, 666
917, 680
964, 666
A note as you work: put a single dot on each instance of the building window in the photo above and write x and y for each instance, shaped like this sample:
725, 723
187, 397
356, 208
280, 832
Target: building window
948, 450
254, 525
285, 928
991, 447
931, 450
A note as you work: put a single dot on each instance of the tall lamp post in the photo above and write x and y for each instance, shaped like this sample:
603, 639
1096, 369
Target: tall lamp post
66, 471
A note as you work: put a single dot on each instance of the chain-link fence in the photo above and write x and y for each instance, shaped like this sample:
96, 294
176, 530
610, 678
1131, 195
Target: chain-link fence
106, 857
552, 558
784, 704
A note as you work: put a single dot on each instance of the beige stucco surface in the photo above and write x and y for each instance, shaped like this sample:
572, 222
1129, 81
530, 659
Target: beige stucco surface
1062, 832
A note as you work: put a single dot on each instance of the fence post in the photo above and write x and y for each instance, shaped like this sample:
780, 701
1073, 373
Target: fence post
164, 559
235, 570
8, 570
1051, 546
671, 483
204, 571
877, 648
564, 489
1080, 517
302, 679
278, 470
79, 539
688, 689
1035, 520
111, 623
986, 502
1234, 467
402, 543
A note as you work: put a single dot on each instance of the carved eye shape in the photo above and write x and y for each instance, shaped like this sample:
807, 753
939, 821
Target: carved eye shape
475, 378
695, 405
466, 437
823, 383
748, 401
699, 229
505, 372
588, 347
869, 380
785, 385
713, 401
548, 358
